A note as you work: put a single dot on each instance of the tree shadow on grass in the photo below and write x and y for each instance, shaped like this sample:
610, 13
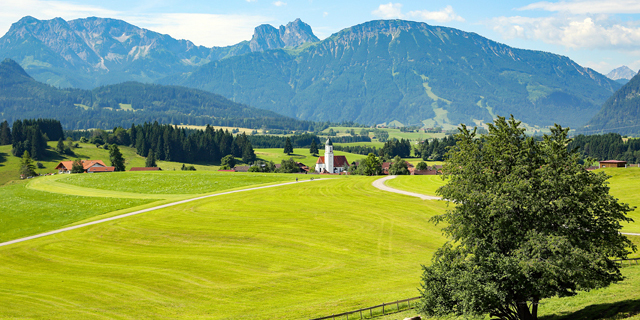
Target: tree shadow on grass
3, 158
608, 311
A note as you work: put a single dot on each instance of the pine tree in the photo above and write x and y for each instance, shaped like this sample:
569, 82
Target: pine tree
288, 148
117, 160
151, 160
27, 168
314, 148
5, 133
60, 146
248, 155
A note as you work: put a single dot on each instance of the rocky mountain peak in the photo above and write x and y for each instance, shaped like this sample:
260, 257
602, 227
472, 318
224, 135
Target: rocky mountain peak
619, 73
267, 37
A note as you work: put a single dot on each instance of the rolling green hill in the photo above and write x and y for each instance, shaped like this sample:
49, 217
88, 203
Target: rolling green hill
381, 71
311, 250
123, 104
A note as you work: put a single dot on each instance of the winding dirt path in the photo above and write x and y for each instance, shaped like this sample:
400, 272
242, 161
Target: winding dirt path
380, 185
143, 211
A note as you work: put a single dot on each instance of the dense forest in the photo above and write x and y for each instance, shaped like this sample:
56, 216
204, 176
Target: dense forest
166, 142
30, 135
610, 146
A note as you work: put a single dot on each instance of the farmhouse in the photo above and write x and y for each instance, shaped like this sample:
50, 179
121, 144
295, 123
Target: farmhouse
613, 164
65, 166
145, 169
330, 163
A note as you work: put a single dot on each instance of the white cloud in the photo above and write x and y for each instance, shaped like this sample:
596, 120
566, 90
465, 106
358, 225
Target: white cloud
394, 11
202, 29
445, 15
279, 4
389, 11
587, 7
324, 14
572, 31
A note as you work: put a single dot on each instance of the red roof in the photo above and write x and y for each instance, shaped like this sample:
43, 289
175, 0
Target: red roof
338, 161
101, 169
145, 169
86, 164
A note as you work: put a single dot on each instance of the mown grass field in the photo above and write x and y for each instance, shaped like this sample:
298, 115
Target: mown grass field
299, 251
178, 182
290, 252
393, 133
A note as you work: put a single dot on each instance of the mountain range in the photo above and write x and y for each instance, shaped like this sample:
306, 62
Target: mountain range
86, 53
372, 73
122, 104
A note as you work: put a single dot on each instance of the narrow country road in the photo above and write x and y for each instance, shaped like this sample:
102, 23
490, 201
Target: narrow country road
380, 185
143, 211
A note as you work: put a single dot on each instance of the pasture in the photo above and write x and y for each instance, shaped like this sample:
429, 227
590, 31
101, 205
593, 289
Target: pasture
292, 252
296, 251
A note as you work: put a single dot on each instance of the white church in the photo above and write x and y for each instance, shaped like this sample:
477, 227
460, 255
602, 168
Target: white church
330, 163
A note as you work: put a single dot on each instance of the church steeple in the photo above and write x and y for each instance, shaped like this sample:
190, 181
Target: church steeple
328, 155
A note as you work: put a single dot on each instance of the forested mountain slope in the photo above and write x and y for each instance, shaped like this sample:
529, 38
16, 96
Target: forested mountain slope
382, 71
105, 107
620, 113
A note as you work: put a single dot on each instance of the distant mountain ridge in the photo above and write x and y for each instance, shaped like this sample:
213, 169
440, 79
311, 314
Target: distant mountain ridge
412, 72
85, 53
620, 113
621, 73
122, 104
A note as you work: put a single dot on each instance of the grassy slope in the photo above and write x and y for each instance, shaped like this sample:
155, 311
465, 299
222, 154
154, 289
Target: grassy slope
31, 207
309, 249
393, 133
10, 165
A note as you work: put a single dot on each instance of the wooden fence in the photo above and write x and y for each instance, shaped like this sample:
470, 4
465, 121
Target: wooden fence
630, 261
363, 312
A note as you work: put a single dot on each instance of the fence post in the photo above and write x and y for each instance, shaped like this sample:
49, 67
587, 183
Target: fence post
397, 305
360, 313
383, 308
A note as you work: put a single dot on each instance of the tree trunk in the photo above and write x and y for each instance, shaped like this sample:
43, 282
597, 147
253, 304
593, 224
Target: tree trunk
524, 313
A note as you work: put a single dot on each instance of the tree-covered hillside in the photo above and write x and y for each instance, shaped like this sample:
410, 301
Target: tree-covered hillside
381, 71
620, 113
122, 104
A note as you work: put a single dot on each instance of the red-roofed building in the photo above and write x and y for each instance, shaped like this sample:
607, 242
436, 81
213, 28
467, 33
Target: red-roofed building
145, 169
66, 166
613, 164
330, 163
101, 169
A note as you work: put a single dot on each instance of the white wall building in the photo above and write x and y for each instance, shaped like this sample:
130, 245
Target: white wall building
329, 163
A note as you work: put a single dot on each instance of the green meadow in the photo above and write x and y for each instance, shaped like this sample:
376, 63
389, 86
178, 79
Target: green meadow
393, 133
298, 251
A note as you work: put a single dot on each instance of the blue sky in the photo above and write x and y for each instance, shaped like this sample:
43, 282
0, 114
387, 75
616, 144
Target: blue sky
602, 34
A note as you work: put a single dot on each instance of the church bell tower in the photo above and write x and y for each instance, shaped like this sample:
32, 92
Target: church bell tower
328, 155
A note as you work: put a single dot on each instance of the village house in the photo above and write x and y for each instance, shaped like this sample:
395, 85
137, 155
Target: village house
66, 166
330, 163
613, 164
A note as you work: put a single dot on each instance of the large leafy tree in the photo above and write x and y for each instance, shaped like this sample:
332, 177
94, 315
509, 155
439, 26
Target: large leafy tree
527, 222
117, 160
398, 167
